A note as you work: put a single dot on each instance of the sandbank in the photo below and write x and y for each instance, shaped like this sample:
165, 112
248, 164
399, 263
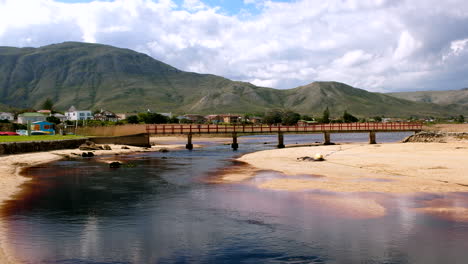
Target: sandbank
385, 168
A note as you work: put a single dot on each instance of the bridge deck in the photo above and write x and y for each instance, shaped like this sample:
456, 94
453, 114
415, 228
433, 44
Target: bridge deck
262, 129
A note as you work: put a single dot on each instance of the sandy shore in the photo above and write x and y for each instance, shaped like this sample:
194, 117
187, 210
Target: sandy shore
387, 168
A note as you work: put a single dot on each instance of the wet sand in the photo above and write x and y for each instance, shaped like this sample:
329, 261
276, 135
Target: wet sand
387, 168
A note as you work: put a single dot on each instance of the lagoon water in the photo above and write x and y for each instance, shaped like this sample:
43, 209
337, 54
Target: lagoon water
168, 209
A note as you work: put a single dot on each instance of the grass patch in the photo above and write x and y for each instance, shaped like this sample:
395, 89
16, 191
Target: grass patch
36, 138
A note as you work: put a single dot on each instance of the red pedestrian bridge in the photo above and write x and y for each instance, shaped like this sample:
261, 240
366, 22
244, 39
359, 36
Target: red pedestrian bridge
326, 129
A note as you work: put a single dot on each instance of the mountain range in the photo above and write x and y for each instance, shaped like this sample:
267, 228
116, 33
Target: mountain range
95, 76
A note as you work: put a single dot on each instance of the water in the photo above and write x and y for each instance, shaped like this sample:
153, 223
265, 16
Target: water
167, 209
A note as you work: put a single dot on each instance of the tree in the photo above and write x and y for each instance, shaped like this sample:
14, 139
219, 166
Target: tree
460, 119
273, 116
53, 119
325, 116
349, 118
152, 118
133, 119
48, 104
307, 118
377, 118
289, 118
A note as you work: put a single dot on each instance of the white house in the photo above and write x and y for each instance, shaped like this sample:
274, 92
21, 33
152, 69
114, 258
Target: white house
61, 117
73, 114
7, 116
33, 117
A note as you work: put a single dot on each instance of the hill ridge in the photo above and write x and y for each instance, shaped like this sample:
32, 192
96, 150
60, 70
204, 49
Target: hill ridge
97, 76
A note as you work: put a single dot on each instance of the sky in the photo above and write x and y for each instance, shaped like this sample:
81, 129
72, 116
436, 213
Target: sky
377, 45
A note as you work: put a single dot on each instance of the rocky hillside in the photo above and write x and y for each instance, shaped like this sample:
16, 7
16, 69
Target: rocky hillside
93, 76
438, 97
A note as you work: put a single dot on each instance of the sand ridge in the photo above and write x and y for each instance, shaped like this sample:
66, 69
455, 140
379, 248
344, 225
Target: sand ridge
387, 168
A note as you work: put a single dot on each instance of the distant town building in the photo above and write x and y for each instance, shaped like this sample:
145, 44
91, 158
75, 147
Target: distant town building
255, 120
24, 118
73, 114
105, 115
166, 114
44, 127
214, 119
305, 123
193, 118
7, 116
45, 111
231, 119
61, 117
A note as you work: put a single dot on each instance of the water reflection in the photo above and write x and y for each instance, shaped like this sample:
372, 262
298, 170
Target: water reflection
165, 211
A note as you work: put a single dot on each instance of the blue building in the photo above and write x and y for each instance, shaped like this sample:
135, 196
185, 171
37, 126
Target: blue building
43, 128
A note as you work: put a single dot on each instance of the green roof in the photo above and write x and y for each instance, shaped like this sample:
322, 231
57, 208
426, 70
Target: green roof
32, 114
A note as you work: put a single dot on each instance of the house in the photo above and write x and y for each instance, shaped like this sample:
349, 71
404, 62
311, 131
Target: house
305, 122
166, 114
43, 127
193, 118
61, 117
230, 119
24, 118
48, 112
105, 115
7, 116
73, 114
214, 119
255, 120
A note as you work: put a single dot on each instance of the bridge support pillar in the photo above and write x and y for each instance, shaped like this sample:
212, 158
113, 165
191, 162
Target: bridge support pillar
234, 144
326, 138
280, 140
189, 144
372, 138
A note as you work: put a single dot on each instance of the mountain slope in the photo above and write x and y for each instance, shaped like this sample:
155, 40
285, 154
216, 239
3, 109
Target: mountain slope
93, 76
438, 97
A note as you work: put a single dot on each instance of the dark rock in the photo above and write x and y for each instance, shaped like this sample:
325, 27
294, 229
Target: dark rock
163, 150
87, 154
125, 147
107, 147
114, 164
89, 145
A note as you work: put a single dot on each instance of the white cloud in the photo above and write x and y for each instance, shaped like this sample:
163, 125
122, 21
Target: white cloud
379, 45
458, 46
352, 58
194, 5
406, 46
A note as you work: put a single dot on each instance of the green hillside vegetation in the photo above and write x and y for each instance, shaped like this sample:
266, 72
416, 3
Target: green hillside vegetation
437, 97
94, 76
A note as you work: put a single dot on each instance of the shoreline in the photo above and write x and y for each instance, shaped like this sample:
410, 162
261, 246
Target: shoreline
440, 164
399, 168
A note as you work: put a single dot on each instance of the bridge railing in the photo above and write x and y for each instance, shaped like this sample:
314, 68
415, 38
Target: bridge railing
165, 129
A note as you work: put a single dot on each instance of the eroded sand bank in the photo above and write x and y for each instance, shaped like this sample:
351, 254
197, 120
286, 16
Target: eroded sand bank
387, 168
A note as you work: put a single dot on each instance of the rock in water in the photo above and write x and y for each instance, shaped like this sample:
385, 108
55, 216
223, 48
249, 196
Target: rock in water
107, 147
114, 164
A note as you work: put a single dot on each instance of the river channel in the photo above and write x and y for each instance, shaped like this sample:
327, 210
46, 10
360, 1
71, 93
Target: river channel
165, 208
